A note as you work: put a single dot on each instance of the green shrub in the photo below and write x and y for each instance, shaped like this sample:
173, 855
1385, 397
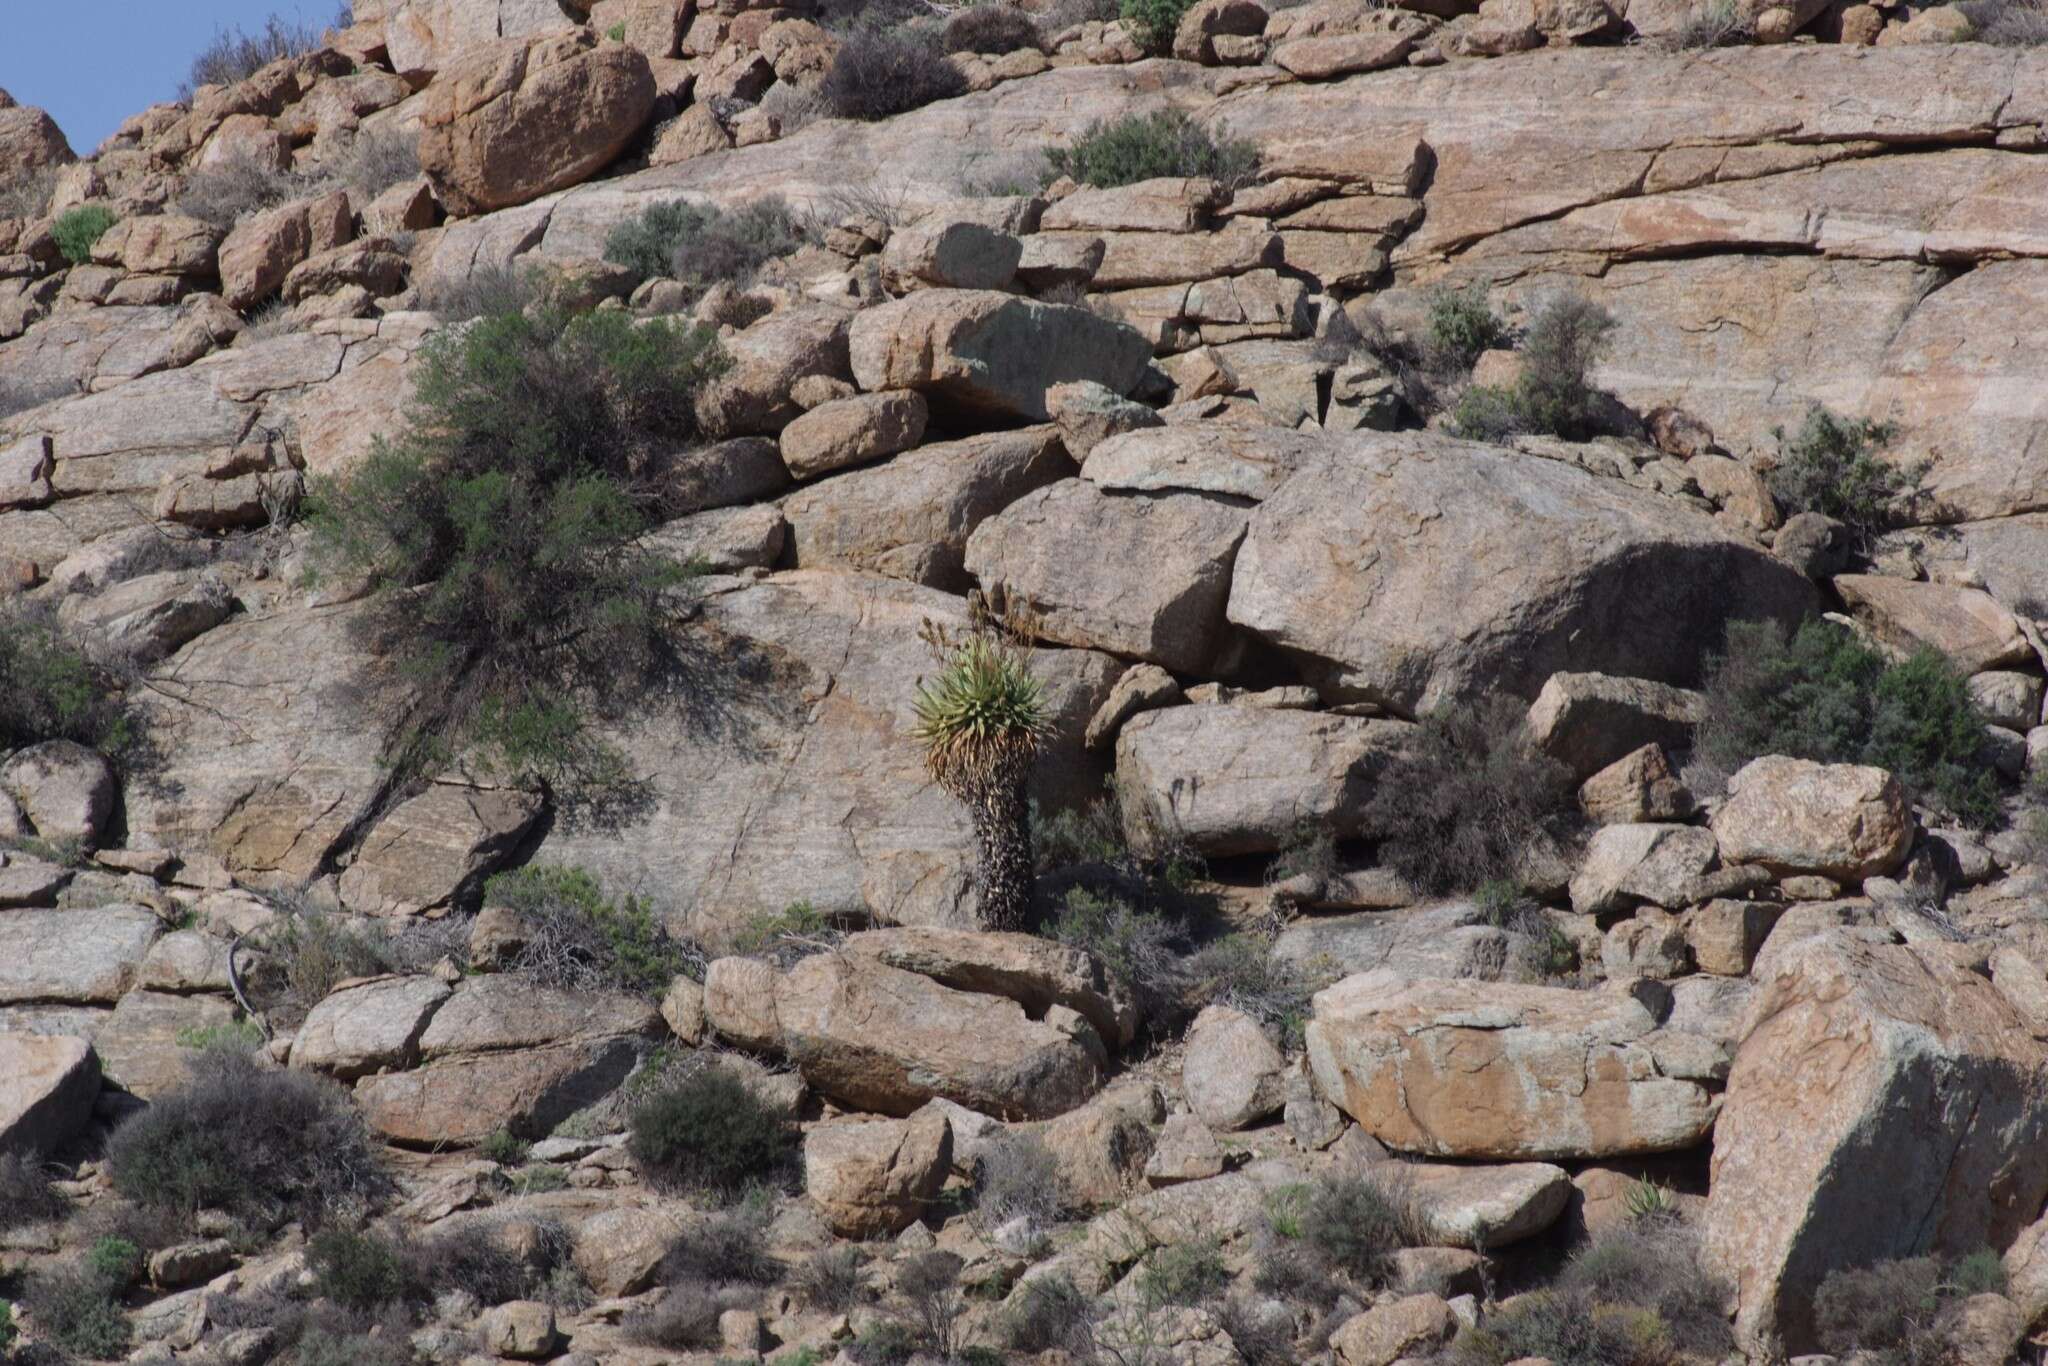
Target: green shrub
582, 940
1554, 395
7, 1329
503, 1147
706, 1130
1154, 22
356, 1269
796, 931
1354, 1224
1140, 950
1241, 971
1567, 1329
1823, 694
878, 73
54, 685
705, 245
314, 952
78, 228
1980, 1273
1461, 326
76, 1311
1467, 801
1652, 1263
1146, 146
1190, 1273
1830, 466
116, 1261
500, 532
27, 1195
1092, 833
990, 26
617, 33
262, 1143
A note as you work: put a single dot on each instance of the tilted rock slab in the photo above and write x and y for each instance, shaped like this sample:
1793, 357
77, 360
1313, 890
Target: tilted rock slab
1886, 1102
1241, 780
514, 121
47, 1087
991, 354
881, 1039
871, 1177
1413, 569
1033, 971
1502, 1071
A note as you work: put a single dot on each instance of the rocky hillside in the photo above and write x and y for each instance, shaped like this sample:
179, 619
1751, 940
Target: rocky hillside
1227, 683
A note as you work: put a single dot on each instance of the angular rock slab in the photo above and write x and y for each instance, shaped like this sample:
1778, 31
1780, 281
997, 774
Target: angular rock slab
1143, 575
1886, 1102
1483, 1207
880, 1039
871, 1177
1414, 570
73, 957
989, 353
1844, 821
1241, 780
368, 1027
48, 1083
1501, 1071
1035, 972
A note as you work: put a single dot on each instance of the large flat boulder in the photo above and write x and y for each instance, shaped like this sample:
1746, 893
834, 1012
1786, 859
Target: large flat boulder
366, 1027
1502, 1071
1886, 1102
910, 517
881, 1039
1143, 575
1414, 570
48, 1083
1845, 821
989, 353
871, 1177
1243, 780
516, 120
74, 957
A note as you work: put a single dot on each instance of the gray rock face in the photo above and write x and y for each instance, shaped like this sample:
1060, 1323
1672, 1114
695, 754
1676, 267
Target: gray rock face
881, 1039
1069, 554
1232, 1073
1447, 941
1414, 570
370, 1027
74, 957
65, 790
989, 353
910, 517
1243, 780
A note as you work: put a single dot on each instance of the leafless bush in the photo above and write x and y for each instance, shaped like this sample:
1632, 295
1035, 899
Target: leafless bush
865, 198
375, 160
831, 1281
1016, 1177
26, 1195
685, 1318
1715, 24
795, 106
2008, 23
235, 56
484, 291
233, 188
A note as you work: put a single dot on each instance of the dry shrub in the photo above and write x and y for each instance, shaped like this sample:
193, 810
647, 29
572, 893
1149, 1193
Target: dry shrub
880, 73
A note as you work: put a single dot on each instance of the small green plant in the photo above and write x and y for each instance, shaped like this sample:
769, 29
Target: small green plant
55, 686
579, 939
76, 1310
1189, 1273
1647, 1199
8, 1331
982, 722
1831, 466
1154, 22
1821, 693
77, 229
356, 1269
1355, 1224
617, 33
500, 533
1554, 395
1147, 146
116, 1261
1980, 1273
1461, 326
705, 245
236, 1034
537, 1178
1287, 1210
793, 932
1139, 949
706, 1130
503, 1147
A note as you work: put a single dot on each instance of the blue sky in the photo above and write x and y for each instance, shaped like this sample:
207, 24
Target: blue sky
92, 63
